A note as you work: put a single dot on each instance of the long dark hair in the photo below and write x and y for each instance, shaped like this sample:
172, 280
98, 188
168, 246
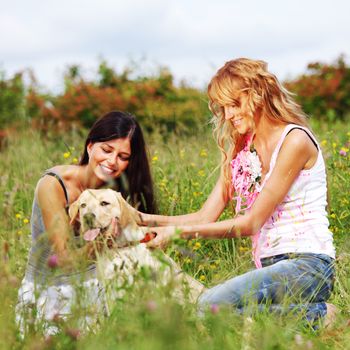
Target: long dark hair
135, 183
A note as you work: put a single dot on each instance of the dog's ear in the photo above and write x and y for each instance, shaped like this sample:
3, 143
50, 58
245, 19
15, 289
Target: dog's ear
128, 213
73, 211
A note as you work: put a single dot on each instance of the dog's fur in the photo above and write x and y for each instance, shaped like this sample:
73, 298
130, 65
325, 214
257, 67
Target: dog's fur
109, 224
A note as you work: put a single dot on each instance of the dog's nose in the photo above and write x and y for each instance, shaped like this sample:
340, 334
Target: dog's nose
89, 219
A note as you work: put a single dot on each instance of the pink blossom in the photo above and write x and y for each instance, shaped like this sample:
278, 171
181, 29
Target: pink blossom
52, 261
214, 309
246, 173
151, 305
342, 152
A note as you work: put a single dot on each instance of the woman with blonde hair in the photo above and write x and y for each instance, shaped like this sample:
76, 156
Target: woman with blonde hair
273, 170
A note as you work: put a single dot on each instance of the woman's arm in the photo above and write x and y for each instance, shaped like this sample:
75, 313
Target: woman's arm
210, 212
296, 152
52, 202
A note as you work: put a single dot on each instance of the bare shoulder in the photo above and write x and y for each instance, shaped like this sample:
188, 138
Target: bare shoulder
299, 148
298, 141
49, 188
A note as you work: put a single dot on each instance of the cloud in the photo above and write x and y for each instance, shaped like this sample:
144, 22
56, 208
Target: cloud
192, 37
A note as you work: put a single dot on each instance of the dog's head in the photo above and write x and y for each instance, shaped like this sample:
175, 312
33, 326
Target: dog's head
105, 212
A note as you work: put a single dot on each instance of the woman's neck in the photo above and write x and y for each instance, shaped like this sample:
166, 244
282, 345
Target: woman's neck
87, 179
266, 132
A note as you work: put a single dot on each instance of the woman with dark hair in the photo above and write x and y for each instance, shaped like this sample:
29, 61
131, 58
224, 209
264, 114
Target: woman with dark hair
114, 156
136, 182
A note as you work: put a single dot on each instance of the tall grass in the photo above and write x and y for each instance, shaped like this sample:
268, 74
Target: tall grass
184, 171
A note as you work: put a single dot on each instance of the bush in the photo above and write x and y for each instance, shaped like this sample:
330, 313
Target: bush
324, 91
155, 100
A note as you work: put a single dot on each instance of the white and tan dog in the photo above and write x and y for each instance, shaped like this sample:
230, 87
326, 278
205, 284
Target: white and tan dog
109, 224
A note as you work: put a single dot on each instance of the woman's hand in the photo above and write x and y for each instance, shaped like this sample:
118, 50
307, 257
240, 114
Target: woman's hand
164, 236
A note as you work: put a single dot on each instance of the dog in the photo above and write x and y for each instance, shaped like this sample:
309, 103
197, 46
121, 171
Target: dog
105, 218
108, 224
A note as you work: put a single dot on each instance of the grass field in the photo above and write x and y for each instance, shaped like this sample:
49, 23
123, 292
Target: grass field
184, 172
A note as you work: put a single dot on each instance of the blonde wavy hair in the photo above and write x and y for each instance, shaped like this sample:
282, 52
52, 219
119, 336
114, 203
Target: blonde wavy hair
265, 94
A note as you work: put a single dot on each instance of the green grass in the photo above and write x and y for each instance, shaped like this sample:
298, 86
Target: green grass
184, 172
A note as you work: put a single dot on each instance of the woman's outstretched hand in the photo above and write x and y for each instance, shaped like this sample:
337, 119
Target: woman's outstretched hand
163, 236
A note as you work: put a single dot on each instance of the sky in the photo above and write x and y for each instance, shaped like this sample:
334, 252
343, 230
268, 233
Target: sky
192, 38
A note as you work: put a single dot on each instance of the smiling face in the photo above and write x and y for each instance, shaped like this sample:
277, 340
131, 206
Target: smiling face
109, 159
239, 114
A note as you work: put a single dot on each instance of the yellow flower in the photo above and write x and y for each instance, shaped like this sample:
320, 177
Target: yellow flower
333, 216
202, 278
243, 249
201, 173
193, 165
213, 266
203, 153
25, 221
345, 149
187, 261
154, 159
196, 194
196, 246
18, 216
323, 142
75, 160
66, 155
334, 145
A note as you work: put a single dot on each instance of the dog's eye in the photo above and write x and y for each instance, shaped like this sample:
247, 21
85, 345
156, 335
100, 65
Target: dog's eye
83, 205
103, 203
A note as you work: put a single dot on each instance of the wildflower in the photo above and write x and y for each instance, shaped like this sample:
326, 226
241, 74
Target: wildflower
333, 216
298, 339
324, 142
75, 160
202, 278
154, 159
197, 245
214, 309
196, 194
18, 216
25, 221
19, 233
66, 155
151, 305
73, 333
201, 173
52, 261
343, 151
203, 153
334, 145
243, 249
213, 266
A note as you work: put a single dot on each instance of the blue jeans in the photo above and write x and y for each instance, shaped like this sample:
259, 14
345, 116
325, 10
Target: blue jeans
286, 282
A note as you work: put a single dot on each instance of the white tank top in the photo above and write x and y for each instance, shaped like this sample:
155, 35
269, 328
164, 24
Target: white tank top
299, 224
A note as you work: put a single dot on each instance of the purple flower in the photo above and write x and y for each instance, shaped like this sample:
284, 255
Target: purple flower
214, 309
52, 261
342, 152
151, 305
